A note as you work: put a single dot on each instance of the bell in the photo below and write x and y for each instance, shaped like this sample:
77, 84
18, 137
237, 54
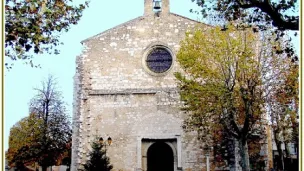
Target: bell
157, 5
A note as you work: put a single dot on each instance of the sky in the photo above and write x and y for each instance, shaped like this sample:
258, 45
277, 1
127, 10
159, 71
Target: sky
100, 16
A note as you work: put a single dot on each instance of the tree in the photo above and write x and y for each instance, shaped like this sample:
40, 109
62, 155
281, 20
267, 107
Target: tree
226, 75
284, 111
52, 128
224, 150
66, 158
48, 105
24, 135
281, 14
262, 15
98, 160
33, 27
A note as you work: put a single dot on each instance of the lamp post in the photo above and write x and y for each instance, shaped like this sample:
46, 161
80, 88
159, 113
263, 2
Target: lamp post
207, 150
108, 141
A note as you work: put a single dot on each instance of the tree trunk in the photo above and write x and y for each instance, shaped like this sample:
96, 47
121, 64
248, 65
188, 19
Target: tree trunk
244, 155
231, 154
287, 152
281, 155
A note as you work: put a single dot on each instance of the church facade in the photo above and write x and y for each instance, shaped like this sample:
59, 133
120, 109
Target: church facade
125, 94
125, 91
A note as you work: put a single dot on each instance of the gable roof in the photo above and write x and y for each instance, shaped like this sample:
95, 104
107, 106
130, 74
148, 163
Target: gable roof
137, 19
103, 32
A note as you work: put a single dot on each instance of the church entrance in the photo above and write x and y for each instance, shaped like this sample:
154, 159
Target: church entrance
160, 157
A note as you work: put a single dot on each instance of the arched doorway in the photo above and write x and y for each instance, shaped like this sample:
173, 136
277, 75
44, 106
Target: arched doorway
160, 157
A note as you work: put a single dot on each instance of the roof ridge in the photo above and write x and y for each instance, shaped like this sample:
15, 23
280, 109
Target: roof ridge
112, 28
190, 19
140, 17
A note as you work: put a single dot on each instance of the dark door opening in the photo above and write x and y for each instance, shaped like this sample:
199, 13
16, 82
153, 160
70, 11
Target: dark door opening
160, 157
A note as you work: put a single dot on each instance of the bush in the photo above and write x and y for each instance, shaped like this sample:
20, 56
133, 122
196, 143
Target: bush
98, 160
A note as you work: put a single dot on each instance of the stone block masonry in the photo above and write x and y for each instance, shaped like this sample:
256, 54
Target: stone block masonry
115, 94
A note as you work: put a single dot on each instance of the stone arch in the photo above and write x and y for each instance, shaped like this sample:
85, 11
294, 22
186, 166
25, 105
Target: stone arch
173, 148
148, 143
160, 157
154, 127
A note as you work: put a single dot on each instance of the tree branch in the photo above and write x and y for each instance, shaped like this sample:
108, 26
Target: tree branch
273, 13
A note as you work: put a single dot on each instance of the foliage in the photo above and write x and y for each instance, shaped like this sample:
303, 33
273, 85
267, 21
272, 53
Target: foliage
98, 160
284, 110
286, 99
24, 135
279, 17
224, 150
44, 135
257, 160
66, 156
226, 80
33, 26
281, 14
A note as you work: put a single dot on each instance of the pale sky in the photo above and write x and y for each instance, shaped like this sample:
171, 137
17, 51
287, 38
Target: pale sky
101, 15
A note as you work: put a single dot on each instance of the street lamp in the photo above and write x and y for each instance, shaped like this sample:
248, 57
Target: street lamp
108, 142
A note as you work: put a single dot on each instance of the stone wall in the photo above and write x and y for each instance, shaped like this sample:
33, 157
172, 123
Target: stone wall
116, 96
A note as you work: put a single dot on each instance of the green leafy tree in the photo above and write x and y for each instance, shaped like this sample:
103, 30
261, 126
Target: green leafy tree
24, 141
50, 129
225, 82
98, 160
34, 26
282, 14
278, 16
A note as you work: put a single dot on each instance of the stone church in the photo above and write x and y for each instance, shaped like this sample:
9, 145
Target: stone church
125, 91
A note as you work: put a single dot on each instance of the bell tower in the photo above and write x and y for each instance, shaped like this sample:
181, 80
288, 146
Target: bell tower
157, 6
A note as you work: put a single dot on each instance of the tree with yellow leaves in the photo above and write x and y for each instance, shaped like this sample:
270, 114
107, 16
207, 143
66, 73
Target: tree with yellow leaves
225, 82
